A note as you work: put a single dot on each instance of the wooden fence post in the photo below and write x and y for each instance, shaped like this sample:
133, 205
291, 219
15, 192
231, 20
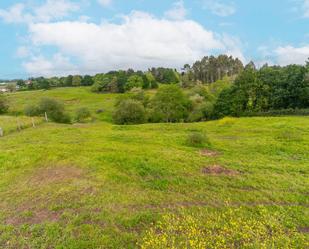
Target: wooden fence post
18, 125
1, 132
33, 124
46, 118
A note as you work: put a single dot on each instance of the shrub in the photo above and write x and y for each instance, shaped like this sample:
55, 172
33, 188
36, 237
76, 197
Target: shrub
54, 109
32, 111
170, 104
134, 81
4, 106
82, 115
230, 228
196, 139
129, 111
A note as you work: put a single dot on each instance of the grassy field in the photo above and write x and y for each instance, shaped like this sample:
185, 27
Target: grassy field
100, 185
73, 99
11, 124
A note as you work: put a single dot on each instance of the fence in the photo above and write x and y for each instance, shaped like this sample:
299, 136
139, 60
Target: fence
9, 124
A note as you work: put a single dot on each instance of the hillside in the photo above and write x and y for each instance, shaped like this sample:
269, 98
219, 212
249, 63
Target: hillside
73, 98
99, 185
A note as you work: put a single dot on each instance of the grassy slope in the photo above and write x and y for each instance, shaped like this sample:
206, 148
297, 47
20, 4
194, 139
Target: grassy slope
100, 185
11, 124
73, 98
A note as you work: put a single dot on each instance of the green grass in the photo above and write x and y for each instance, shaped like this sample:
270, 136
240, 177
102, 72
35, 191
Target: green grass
11, 124
100, 185
73, 98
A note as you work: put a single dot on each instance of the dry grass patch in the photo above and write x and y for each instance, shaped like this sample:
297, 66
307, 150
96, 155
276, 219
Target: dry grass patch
209, 153
57, 174
219, 170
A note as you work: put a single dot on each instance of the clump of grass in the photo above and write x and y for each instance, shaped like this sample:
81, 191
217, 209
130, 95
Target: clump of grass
83, 115
197, 139
228, 229
289, 136
227, 121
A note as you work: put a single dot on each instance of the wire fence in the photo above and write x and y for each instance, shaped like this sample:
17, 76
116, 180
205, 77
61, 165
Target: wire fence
10, 124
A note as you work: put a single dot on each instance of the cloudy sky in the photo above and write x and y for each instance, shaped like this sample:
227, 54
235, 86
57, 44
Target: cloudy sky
61, 37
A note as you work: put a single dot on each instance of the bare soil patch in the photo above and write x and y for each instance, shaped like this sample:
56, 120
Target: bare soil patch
219, 170
209, 153
303, 230
36, 217
57, 174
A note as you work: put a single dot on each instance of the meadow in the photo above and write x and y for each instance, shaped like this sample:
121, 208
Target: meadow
73, 98
99, 185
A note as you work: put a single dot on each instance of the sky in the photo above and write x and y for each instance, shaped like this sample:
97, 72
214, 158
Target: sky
62, 37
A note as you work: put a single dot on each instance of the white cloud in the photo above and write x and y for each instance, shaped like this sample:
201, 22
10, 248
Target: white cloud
58, 65
105, 3
14, 14
139, 41
51, 10
23, 52
306, 8
178, 11
54, 10
292, 55
219, 8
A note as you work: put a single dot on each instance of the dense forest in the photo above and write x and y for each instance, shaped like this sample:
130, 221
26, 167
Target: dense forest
211, 88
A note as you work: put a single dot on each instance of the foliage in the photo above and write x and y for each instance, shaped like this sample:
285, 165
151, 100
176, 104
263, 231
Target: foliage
134, 81
76, 80
270, 88
54, 110
196, 139
11, 87
82, 115
4, 105
211, 69
129, 111
223, 229
32, 110
170, 104
165, 75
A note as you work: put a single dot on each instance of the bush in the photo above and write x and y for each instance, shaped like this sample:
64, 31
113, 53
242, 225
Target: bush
170, 104
83, 115
32, 111
129, 111
196, 139
54, 109
4, 106
134, 81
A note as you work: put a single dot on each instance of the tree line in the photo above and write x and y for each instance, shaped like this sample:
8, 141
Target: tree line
211, 88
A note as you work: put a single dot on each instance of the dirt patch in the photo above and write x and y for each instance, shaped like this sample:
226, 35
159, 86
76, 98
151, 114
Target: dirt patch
303, 230
219, 170
58, 174
209, 153
34, 217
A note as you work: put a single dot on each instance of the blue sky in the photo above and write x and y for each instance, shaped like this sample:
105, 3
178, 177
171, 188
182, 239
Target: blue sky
60, 37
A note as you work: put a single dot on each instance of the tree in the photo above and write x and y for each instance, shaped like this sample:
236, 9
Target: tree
4, 106
129, 111
76, 80
21, 83
170, 104
68, 80
134, 81
11, 87
87, 80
